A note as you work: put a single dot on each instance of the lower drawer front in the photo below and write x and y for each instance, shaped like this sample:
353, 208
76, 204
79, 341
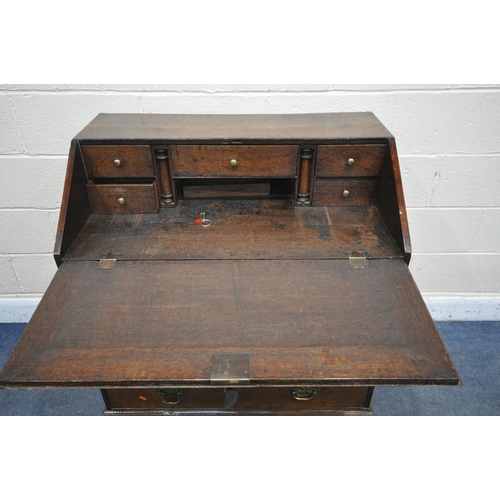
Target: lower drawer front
248, 399
345, 192
122, 198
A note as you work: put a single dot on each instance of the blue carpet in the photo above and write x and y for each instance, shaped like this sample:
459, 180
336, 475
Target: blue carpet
42, 402
473, 346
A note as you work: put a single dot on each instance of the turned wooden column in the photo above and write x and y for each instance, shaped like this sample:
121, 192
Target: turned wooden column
304, 192
166, 191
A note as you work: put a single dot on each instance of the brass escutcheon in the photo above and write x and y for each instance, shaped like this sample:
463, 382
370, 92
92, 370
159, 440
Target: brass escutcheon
170, 396
304, 393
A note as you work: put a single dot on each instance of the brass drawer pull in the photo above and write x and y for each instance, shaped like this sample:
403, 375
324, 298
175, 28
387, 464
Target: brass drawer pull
170, 396
233, 163
117, 162
346, 193
121, 201
350, 161
304, 393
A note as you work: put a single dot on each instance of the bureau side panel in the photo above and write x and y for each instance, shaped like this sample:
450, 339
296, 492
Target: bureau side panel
391, 203
75, 207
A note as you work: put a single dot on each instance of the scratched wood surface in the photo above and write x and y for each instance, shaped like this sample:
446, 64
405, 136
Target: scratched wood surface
244, 229
136, 198
268, 398
300, 321
251, 161
247, 128
135, 161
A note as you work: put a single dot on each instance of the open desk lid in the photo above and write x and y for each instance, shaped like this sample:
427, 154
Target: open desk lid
297, 322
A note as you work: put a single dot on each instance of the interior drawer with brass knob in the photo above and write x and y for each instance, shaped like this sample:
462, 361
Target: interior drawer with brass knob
345, 192
233, 161
244, 400
118, 161
123, 198
353, 160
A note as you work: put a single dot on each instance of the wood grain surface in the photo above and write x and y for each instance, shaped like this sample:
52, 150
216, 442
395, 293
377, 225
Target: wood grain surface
251, 161
330, 192
269, 398
247, 128
301, 322
253, 229
135, 161
332, 161
75, 207
136, 198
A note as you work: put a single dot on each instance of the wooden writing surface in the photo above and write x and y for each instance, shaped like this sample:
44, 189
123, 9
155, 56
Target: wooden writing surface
298, 285
141, 323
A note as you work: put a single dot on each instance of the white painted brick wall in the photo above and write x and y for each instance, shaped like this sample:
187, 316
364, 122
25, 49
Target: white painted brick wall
448, 138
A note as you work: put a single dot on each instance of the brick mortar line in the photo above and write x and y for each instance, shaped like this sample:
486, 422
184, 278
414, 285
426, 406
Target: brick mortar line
29, 209
44, 156
208, 92
456, 253
461, 207
10, 255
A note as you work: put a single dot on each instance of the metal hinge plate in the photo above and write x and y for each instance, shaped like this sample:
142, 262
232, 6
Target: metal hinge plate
106, 264
229, 369
357, 260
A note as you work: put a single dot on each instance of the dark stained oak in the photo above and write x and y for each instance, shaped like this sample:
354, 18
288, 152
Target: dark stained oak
134, 161
391, 202
264, 398
75, 207
196, 129
249, 161
300, 280
333, 161
123, 198
241, 229
345, 192
301, 322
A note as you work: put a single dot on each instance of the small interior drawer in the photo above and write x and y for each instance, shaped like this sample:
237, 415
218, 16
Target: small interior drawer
122, 198
233, 161
118, 161
351, 160
345, 192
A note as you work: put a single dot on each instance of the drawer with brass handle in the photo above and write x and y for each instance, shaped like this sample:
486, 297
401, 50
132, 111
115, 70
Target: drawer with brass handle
243, 400
118, 161
233, 161
353, 160
123, 198
345, 192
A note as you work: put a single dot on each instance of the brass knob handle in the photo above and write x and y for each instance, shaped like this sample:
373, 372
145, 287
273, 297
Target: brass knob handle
345, 194
233, 163
117, 162
350, 161
121, 201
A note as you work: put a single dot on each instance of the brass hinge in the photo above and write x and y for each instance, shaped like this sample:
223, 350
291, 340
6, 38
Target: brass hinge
229, 369
357, 260
106, 264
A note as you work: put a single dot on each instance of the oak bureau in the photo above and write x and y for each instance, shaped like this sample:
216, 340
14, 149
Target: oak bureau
232, 264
